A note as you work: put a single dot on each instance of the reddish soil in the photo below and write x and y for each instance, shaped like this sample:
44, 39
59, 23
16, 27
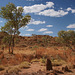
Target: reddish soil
33, 68
36, 67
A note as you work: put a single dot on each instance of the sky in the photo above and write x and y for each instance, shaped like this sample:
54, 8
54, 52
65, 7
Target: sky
48, 17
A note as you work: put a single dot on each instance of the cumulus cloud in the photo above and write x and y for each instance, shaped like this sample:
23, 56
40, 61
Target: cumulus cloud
70, 9
37, 7
30, 30
49, 26
36, 22
46, 10
71, 26
53, 13
42, 29
48, 32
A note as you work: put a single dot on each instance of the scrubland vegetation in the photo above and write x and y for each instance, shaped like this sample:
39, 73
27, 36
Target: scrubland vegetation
19, 53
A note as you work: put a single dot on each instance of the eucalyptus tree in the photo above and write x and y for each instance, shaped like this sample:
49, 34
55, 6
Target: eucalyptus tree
15, 20
67, 38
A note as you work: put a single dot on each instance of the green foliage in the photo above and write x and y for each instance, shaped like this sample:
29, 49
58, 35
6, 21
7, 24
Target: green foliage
6, 39
66, 37
15, 20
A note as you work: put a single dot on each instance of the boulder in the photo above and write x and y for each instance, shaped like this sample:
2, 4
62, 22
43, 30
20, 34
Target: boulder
65, 69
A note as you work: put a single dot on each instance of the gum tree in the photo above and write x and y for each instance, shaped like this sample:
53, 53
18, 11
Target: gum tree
15, 20
67, 38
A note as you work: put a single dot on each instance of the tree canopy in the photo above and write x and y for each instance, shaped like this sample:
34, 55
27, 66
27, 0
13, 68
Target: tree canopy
66, 37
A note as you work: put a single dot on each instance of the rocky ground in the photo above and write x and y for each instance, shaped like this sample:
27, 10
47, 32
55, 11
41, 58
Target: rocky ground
37, 69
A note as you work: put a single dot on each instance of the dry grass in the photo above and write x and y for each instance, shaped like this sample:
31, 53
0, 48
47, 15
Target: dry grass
2, 67
24, 65
58, 62
35, 60
14, 69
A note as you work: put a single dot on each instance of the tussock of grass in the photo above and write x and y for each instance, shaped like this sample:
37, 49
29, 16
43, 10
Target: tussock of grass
43, 60
14, 69
35, 60
2, 67
24, 65
58, 62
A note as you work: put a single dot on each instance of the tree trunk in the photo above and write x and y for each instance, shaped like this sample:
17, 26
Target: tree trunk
9, 47
12, 49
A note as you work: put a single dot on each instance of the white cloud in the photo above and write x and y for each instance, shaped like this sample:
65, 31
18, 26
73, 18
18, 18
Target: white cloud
1, 21
48, 32
71, 26
36, 22
70, 9
53, 13
49, 26
37, 7
30, 30
27, 34
42, 29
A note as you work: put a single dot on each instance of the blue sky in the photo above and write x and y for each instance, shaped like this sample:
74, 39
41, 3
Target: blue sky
48, 16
